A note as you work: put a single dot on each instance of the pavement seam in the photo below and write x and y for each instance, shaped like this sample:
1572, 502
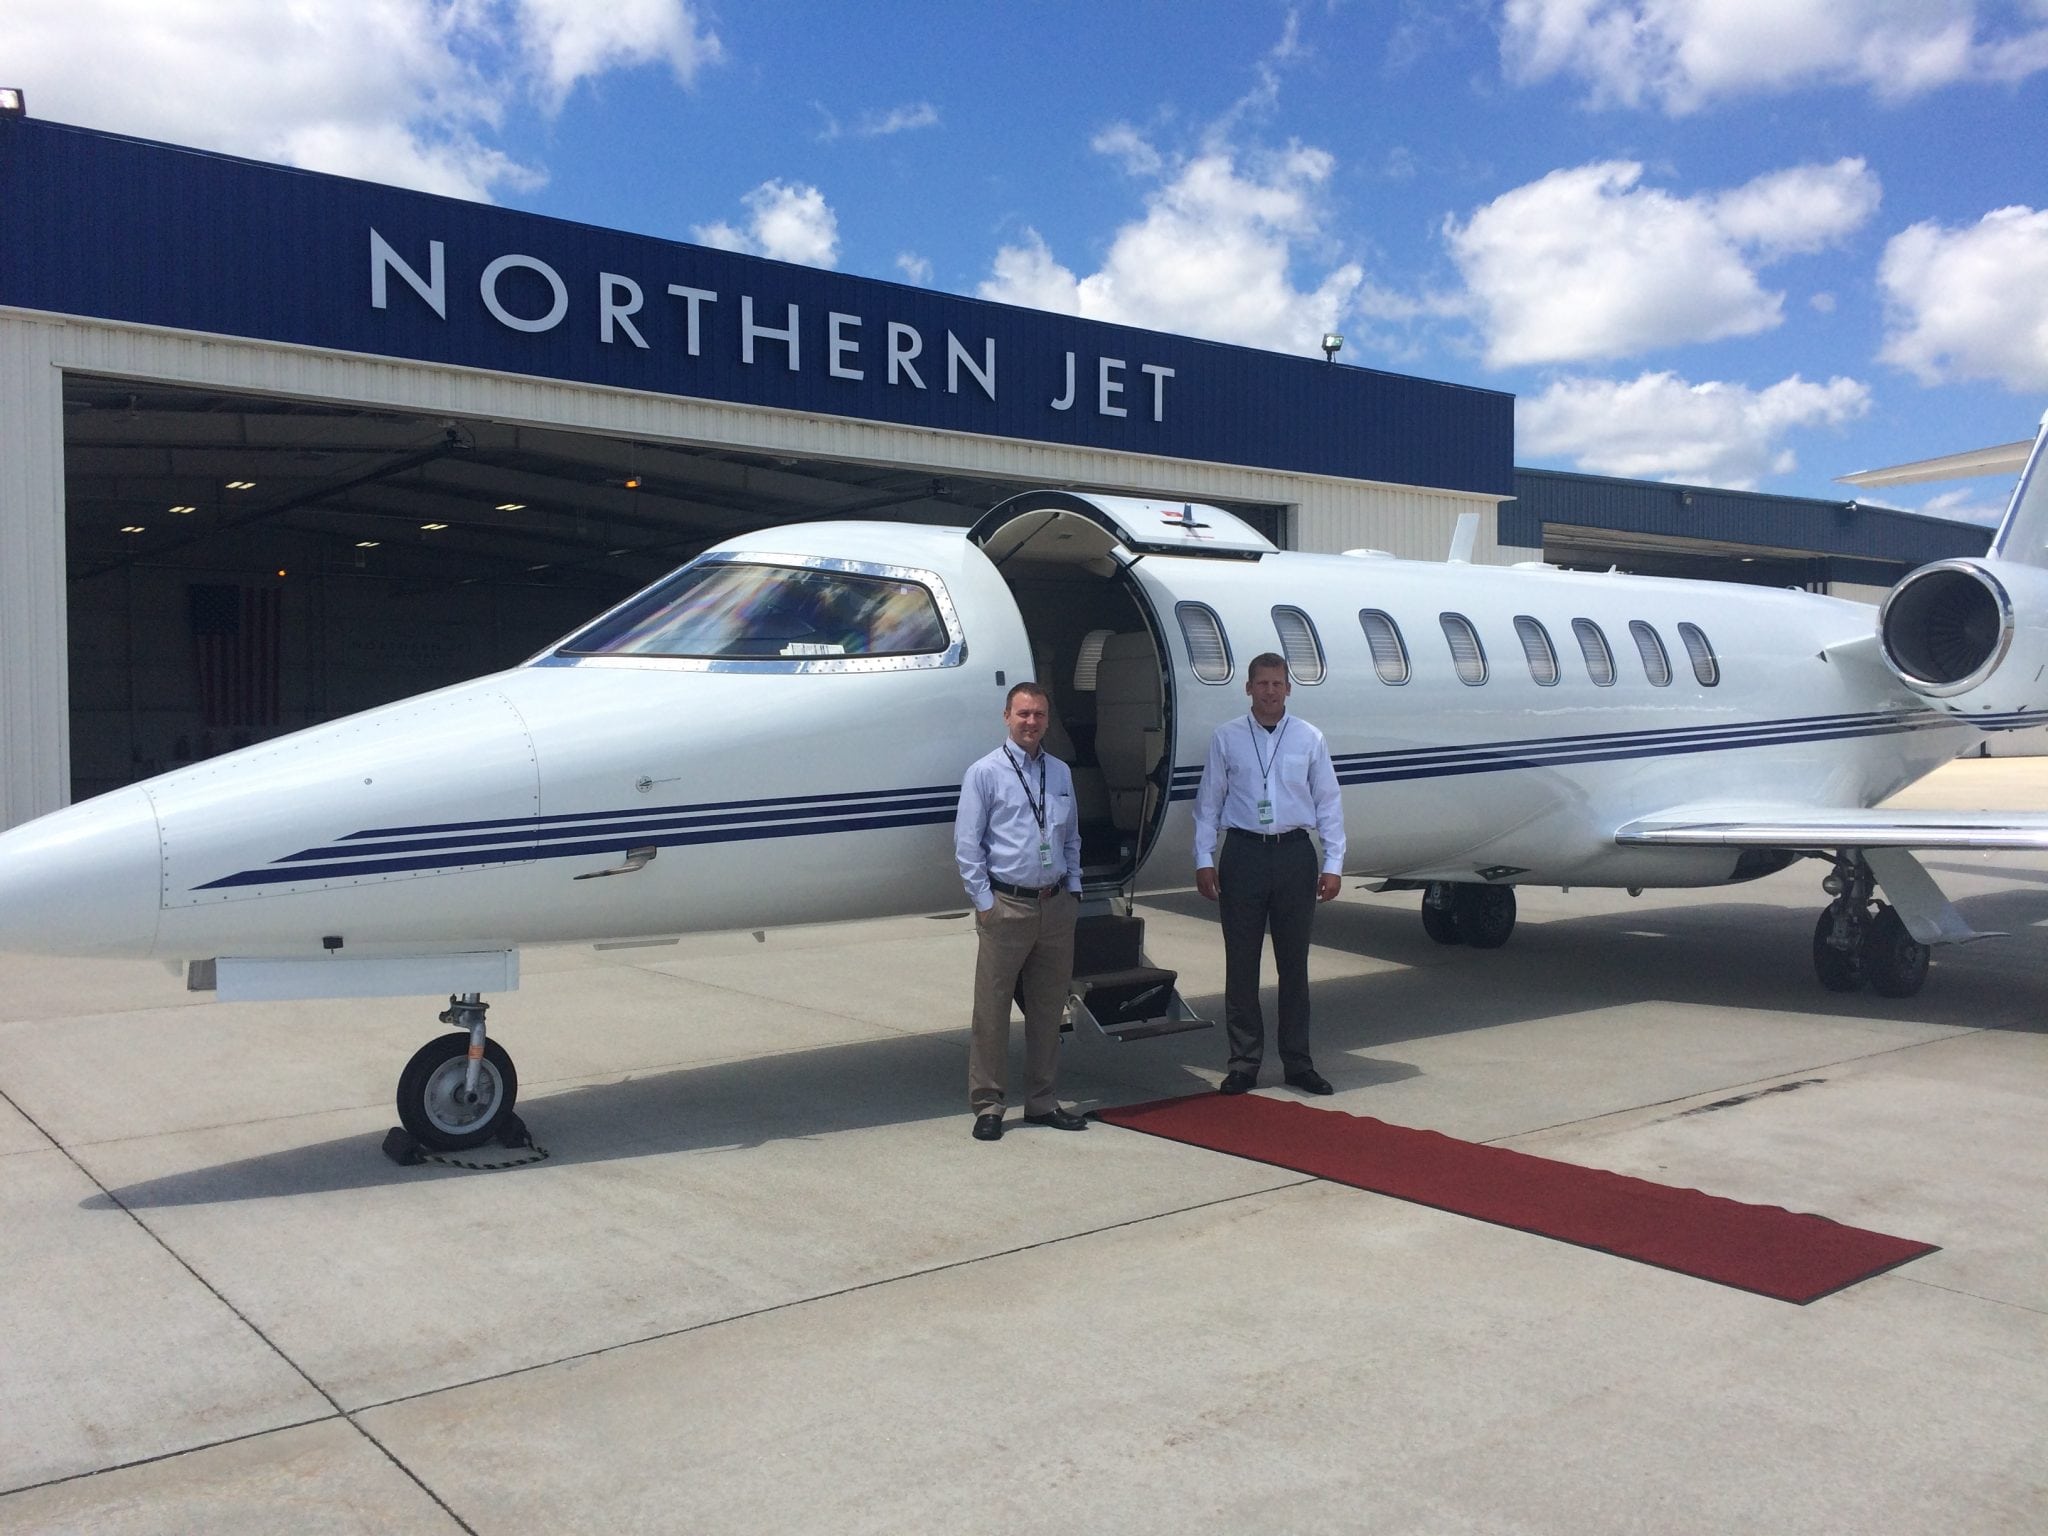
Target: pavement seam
1956, 1290
240, 1316
831, 1295
1698, 1093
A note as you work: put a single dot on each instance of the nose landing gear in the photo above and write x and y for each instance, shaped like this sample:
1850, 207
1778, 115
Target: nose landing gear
1860, 941
457, 1091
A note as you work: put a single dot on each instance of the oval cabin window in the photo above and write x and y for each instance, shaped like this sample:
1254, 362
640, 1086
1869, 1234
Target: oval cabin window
1389, 654
1467, 654
1537, 648
1208, 650
1298, 643
1704, 665
1593, 646
1656, 664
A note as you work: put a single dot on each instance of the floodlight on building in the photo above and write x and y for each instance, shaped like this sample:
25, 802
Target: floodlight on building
1332, 345
12, 102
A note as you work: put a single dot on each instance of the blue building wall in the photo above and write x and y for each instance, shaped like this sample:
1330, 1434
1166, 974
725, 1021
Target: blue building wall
123, 229
1863, 543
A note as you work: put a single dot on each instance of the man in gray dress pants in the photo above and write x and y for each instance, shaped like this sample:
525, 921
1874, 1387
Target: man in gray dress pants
1267, 780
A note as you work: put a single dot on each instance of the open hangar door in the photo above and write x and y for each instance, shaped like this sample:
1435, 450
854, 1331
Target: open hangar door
240, 566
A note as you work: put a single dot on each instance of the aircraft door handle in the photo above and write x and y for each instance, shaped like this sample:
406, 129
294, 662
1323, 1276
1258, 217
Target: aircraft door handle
636, 859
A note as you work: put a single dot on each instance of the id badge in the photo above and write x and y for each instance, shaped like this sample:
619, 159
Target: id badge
1044, 854
1265, 813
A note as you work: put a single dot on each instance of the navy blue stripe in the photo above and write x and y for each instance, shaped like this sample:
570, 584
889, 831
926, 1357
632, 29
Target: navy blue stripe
654, 810
275, 876
636, 829
1430, 763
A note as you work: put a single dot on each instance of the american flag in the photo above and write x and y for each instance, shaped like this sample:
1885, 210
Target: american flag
235, 644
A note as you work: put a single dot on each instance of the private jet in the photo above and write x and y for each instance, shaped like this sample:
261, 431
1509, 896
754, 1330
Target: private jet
774, 735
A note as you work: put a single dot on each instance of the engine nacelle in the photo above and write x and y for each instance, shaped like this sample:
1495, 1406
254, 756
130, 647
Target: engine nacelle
1971, 635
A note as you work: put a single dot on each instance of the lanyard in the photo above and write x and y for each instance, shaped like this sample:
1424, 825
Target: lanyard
1266, 763
1038, 805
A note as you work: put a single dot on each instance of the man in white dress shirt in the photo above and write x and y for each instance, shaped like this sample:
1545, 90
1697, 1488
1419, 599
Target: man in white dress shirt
1267, 780
1017, 838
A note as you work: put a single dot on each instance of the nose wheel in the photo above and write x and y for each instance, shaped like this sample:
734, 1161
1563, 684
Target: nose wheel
1860, 941
458, 1090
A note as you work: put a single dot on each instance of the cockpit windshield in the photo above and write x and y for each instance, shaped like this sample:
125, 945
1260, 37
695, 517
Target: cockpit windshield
736, 610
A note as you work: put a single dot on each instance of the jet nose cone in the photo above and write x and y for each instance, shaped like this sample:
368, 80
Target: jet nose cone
86, 880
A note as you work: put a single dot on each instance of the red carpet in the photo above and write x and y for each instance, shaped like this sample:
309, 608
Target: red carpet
1758, 1248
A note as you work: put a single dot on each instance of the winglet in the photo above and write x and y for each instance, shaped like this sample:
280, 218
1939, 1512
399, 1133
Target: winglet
1464, 539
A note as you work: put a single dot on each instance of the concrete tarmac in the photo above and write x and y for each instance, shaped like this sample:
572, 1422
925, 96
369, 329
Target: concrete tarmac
766, 1282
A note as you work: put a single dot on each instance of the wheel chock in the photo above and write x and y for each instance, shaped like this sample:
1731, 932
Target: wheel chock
400, 1147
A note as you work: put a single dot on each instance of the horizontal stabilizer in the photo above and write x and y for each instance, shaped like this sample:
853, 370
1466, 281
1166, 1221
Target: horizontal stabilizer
1781, 827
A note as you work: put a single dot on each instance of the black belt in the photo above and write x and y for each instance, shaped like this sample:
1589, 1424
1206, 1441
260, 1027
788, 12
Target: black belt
1028, 892
1268, 837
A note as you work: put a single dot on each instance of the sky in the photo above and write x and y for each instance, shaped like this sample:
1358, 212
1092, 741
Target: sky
1744, 243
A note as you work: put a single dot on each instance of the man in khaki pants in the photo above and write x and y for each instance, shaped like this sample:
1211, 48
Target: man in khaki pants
1018, 841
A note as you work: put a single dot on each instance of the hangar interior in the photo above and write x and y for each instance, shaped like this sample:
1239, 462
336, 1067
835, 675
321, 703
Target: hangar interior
243, 565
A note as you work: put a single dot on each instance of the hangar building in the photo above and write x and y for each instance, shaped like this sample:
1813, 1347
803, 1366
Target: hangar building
276, 446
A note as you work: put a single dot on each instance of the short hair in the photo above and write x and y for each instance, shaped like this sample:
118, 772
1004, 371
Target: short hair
1267, 659
1026, 687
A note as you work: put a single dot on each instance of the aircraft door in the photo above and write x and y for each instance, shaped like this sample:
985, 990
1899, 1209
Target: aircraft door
1098, 651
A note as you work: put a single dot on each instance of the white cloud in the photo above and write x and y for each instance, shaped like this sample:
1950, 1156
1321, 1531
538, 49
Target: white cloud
789, 221
1588, 263
569, 41
402, 91
915, 268
1659, 427
877, 125
1211, 256
1964, 506
1970, 303
1681, 54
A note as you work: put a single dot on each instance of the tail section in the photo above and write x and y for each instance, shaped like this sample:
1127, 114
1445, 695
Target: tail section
2022, 538
1972, 635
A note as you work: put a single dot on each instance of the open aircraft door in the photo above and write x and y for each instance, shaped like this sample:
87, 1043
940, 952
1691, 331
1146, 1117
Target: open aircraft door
1101, 652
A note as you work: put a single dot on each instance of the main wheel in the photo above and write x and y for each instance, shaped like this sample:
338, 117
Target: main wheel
1895, 964
432, 1104
1440, 922
1486, 914
1839, 970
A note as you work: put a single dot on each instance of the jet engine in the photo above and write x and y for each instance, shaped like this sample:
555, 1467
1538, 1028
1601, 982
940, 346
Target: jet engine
1971, 635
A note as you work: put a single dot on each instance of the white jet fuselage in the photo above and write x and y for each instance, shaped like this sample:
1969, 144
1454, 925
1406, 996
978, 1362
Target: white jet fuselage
776, 793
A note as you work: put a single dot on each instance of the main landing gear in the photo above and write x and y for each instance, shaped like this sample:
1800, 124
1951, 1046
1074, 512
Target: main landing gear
1458, 912
458, 1089
1860, 940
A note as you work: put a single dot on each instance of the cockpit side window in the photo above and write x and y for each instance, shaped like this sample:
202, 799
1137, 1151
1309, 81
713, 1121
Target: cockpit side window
735, 610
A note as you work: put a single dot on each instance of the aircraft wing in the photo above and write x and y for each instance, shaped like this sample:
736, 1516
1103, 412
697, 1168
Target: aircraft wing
1802, 828
1883, 836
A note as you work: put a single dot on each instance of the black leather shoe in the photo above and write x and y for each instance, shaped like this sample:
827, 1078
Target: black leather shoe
1059, 1120
988, 1127
1309, 1080
1238, 1082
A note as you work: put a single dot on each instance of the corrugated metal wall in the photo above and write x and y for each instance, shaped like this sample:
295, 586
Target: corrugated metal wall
35, 727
